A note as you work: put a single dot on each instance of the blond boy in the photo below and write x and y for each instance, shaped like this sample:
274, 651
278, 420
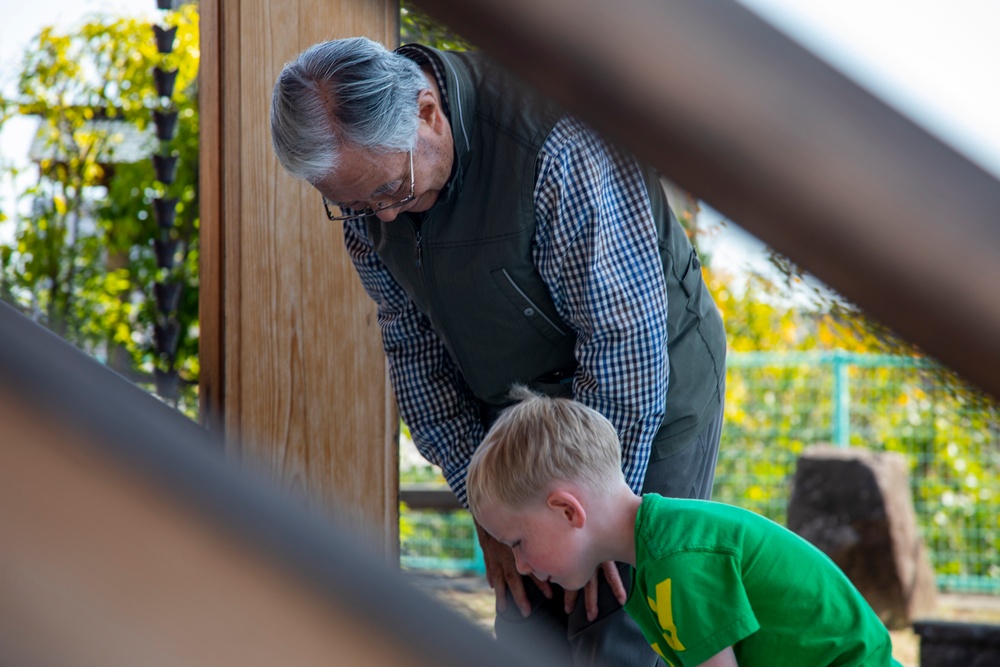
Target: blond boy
711, 585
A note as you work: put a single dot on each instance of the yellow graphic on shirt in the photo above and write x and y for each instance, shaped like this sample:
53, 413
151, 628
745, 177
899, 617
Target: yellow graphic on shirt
665, 614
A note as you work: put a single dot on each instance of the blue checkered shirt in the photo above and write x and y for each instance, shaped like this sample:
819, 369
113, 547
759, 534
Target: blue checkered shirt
596, 249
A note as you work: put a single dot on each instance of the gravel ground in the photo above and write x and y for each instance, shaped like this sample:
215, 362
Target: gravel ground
471, 596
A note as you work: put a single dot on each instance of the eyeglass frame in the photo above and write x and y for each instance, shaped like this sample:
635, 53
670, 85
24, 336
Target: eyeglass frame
368, 210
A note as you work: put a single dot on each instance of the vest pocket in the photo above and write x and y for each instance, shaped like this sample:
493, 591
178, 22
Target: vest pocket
692, 274
528, 308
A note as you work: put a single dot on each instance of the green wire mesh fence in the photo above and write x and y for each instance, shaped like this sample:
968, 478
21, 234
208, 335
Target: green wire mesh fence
779, 403
440, 540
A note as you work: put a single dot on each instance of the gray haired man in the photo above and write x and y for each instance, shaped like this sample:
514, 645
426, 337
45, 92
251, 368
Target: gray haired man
505, 242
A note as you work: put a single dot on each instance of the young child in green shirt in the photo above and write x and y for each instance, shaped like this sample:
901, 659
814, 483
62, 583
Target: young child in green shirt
712, 584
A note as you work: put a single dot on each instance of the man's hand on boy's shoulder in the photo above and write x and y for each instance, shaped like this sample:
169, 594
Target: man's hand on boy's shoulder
610, 569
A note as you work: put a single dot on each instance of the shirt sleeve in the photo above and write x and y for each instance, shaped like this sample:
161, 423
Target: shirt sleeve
434, 401
700, 604
596, 247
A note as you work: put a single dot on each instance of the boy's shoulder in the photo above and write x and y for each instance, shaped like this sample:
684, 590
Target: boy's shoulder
666, 526
660, 505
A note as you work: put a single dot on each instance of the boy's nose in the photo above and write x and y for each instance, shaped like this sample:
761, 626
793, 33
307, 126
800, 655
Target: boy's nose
522, 566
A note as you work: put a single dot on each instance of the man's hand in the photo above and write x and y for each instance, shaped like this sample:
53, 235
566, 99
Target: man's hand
590, 590
502, 574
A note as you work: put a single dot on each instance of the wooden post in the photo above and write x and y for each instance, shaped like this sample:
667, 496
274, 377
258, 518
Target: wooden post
292, 362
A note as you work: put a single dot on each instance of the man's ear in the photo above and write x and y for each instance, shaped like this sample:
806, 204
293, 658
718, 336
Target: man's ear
568, 505
429, 110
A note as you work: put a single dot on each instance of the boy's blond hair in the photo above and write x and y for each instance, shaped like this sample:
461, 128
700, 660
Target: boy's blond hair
538, 441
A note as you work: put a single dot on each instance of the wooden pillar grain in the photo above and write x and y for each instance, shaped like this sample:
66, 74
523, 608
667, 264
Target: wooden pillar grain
292, 366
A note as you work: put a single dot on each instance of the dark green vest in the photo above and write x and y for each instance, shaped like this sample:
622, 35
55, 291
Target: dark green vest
468, 265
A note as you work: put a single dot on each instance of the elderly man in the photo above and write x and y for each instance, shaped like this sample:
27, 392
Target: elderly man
506, 242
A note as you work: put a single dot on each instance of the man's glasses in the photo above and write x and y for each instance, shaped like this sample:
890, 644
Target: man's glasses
368, 210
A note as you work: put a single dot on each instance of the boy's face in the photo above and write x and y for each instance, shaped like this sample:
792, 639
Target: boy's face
547, 541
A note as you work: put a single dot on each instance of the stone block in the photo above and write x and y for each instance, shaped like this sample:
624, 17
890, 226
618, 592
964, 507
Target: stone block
855, 505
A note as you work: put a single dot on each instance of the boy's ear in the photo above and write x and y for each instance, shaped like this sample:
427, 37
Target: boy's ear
568, 505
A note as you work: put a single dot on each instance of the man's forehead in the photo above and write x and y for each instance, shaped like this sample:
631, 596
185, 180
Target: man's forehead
358, 174
356, 163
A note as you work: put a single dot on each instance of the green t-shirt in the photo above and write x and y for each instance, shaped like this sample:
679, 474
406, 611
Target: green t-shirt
710, 575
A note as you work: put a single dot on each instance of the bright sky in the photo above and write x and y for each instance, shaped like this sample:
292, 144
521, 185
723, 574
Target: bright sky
936, 60
20, 21
23, 19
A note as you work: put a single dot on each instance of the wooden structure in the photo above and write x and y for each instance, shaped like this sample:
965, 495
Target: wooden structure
292, 365
126, 539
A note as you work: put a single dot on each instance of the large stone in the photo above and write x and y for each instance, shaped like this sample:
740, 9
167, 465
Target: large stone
855, 505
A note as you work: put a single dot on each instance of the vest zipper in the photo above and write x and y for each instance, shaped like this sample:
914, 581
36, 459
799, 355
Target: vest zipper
416, 236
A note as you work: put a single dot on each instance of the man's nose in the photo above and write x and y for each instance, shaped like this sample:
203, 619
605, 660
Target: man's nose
387, 214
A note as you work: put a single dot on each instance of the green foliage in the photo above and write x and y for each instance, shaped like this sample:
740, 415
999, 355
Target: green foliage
445, 540
417, 26
782, 395
82, 261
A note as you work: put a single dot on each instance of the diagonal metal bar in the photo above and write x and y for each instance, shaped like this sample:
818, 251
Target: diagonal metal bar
768, 134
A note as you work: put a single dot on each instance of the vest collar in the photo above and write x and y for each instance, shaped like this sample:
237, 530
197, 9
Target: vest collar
461, 109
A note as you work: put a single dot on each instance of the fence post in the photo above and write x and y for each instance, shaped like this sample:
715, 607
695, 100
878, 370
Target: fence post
478, 561
841, 400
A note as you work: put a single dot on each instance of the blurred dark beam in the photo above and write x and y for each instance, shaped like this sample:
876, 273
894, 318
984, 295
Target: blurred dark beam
771, 136
437, 497
127, 539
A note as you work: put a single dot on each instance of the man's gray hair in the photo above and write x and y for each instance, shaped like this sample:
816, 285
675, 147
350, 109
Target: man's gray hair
346, 91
